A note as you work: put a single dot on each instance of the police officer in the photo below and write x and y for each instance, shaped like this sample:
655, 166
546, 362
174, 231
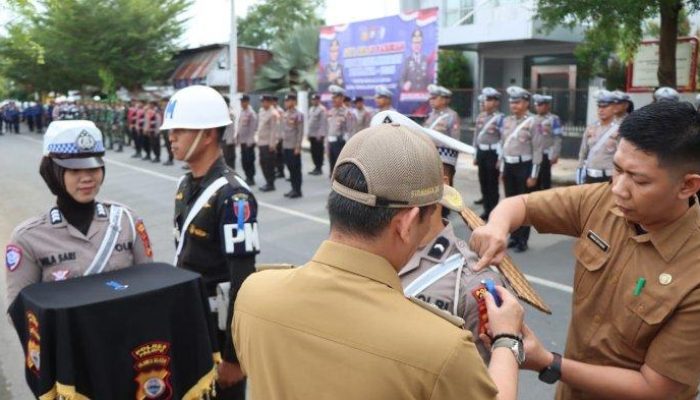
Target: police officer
547, 135
487, 141
267, 141
382, 98
442, 118
78, 236
519, 171
215, 212
279, 153
247, 125
623, 105
292, 136
341, 122
599, 143
362, 114
151, 130
318, 129
666, 93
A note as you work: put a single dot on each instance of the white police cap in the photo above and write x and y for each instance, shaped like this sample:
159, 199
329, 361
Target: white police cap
605, 97
541, 99
666, 93
516, 93
382, 91
489, 92
336, 90
621, 96
75, 144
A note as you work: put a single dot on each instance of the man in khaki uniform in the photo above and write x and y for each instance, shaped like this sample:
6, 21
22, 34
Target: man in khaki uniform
341, 122
636, 315
546, 142
363, 115
599, 143
268, 126
63, 243
516, 163
247, 125
487, 142
382, 98
345, 313
318, 129
623, 105
292, 136
442, 118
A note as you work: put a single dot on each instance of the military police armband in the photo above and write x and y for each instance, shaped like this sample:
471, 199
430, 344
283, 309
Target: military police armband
239, 229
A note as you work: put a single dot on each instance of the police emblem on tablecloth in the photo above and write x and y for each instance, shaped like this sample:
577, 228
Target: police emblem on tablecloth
33, 359
152, 361
13, 257
85, 142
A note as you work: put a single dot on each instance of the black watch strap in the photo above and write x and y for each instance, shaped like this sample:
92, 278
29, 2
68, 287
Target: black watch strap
552, 373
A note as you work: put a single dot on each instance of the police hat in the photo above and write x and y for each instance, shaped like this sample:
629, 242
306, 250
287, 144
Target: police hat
621, 96
605, 97
382, 91
245, 97
336, 90
358, 99
441, 91
267, 97
490, 93
516, 93
74, 144
542, 99
290, 96
666, 93
315, 96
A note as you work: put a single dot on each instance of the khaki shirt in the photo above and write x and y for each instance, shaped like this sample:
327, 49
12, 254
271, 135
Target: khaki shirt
47, 248
363, 117
521, 145
603, 158
609, 324
247, 125
457, 284
492, 134
447, 122
546, 137
340, 327
318, 122
341, 123
267, 127
292, 129
229, 136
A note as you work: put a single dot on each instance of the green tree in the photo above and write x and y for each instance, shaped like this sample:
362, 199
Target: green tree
454, 70
67, 44
271, 20
621, 22
293, 64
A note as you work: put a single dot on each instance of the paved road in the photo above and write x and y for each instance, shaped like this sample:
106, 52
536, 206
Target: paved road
290, 231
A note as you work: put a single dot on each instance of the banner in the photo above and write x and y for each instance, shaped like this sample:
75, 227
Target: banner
399, 52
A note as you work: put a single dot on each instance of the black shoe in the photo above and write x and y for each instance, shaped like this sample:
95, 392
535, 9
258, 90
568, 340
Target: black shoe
267, 188
317, 171
146, 158
136, 155
288, 194
119, 150
155, 160
480, 201
520, 248
250, 182
484, 216
186, 167
512, 243
294, 194
169, 162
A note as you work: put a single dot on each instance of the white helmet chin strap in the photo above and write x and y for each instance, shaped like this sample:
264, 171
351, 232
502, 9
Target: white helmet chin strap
194, 145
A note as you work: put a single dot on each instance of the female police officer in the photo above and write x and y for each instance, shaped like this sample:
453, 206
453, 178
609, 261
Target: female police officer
78, 236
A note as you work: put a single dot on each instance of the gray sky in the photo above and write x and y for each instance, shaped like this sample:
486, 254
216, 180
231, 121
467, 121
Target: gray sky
209, 19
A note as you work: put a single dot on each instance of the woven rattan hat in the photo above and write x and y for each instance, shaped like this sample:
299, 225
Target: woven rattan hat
402, 168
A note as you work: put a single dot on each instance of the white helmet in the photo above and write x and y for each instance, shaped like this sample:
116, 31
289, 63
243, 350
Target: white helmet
196, 107
74, 144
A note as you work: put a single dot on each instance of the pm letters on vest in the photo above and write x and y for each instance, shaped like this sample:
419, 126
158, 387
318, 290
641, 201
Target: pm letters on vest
249, 236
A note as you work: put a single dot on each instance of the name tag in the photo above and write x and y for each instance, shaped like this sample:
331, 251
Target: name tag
598, 241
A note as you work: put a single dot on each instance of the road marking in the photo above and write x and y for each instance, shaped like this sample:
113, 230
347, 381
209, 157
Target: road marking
299, 214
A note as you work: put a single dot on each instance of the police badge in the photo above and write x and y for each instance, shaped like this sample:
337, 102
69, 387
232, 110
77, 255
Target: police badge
85, 142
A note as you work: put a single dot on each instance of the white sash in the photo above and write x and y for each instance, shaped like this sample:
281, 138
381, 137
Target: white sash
107, 246
201, 201
483, 130
434, 274
516, 132
600, 142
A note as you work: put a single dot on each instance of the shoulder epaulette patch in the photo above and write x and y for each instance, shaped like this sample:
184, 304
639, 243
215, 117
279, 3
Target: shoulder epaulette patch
456, 321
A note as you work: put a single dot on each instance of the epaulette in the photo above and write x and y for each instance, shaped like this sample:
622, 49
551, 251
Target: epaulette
30, 223
456, 321
263, 267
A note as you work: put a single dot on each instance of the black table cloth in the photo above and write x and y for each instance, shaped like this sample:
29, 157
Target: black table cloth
143, 332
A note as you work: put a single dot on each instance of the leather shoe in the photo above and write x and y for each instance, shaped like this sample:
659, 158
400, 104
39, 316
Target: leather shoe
267, 188
520, 248
294, 194
250, 182
512, 243
480, 201
288, 193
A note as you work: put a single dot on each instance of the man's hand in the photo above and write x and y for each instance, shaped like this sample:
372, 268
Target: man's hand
489, 243
536, 356
554, 160
297, 151
229, 374
531, 182
474, 162
508, 318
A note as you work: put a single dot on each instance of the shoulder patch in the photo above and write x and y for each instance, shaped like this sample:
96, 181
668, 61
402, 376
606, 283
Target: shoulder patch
13, 257
456, 321
55, 216
100, 210
439, 247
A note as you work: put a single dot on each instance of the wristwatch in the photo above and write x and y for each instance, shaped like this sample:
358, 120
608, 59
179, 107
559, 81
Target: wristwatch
514, 344
552, 372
